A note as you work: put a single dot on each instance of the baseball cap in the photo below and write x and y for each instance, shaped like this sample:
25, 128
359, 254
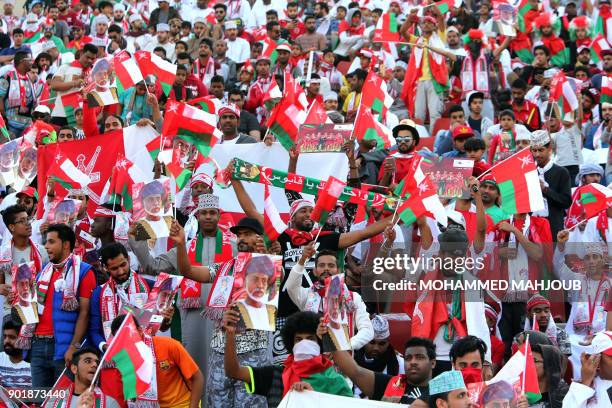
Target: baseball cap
462, 131
283, 47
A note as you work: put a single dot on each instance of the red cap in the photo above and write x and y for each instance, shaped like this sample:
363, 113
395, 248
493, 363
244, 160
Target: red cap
28, 192
462, 131
430, 19
474, 34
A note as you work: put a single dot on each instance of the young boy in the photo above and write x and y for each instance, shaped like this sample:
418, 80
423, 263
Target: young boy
479, 123
503, 136
475, 149
179, 91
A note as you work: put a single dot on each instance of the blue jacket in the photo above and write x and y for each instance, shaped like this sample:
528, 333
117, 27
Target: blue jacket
64, 322
95, 333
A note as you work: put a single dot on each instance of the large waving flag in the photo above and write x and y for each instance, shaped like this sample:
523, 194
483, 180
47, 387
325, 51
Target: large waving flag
151, 64
287, 116
316, 114
598, 46
67, 174
273, 95
328, 197
366, 127
207, 103
374, 94
587, 202
192, 125
422, 200
519, 183
132, 357
413, 177
387, 29
562, 94
127, 71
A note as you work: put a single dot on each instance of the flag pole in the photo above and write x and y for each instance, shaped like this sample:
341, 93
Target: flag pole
97, 373
576, 225
23, 404
525, 366
310, 64
393, 220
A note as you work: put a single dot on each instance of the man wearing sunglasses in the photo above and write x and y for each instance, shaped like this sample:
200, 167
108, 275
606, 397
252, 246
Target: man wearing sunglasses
397, 163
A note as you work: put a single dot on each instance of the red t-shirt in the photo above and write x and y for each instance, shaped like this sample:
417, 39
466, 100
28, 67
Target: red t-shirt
45, 325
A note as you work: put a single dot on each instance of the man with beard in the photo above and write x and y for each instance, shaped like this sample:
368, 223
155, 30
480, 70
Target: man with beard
257, 90
17, 94
558, 55
398, 163
14, 371
311, 300
229, 117
379, 355
311, 40
238, 49
474, 67
419, 361
283, 65
525, 112
251, 345
453, 40
227, 67
356, 79
259, 280
554, 179
489, 191
27, 198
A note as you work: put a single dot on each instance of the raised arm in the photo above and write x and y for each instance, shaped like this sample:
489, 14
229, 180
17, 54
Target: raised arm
349, 239
193, 272
245, 202
233, 369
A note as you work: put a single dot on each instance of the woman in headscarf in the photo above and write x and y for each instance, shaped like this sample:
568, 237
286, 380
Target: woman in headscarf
550, 365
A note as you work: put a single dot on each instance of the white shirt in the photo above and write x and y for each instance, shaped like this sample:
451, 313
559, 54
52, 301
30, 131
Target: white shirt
66, 73
238, 50
568, 146
169, 47
579, 395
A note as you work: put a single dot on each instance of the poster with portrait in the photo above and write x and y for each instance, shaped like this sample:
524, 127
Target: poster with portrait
449, 174
326, 137
504, 18
152, 209
335, 315
148, 320
161, 298
100, 89
9, 160
26, 169
257, 298
24, 291
63, 211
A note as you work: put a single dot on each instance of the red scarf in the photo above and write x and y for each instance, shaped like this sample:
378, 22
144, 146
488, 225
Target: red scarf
110, 302
300, 238
191, 290
77, 64
22, 90
352, 30
295, 371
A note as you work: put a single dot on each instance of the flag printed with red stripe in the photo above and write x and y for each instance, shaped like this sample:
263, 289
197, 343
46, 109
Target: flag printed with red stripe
3, 129
413, 177
67, 174
422, 200
151, 64
273, 95
316, 114
273, 224
192, 125
71, 102
287, 116
606, 89
132, 357
127, 71
387, 29
326, 202
374, 94
207, 103
598, 46
368, 128
519, 183
520, 371
562, 94
445, 6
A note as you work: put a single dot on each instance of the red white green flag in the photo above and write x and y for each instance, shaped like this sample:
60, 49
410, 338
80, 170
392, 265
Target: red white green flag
206, 103
413, 177
3, 129
287, 116
374, 94
273, 224
606, 89
71, 102
445, 6
523, 7
519, 183
127, 71
387, 29
368, 128
316, 114
598, 46
67, 174
594, 199
132, 357
520, 372
273, 95
269, 49
562, 94
123, 177
422, 200
326, 202
151, 64
192, 125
